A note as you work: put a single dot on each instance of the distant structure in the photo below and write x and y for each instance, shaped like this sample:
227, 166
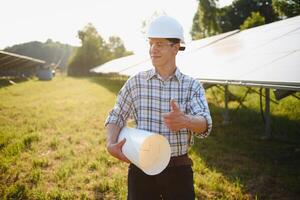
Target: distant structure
46, 72
14, 65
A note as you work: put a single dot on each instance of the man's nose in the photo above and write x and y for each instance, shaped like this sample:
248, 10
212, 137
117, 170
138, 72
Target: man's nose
153, 48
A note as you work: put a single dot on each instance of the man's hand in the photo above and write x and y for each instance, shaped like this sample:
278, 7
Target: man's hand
116, 150
175, 120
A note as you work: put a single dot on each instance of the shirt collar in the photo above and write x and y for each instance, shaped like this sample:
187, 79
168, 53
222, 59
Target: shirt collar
152, 73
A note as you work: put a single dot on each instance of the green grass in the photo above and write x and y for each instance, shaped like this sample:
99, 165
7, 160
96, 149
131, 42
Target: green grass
52, 145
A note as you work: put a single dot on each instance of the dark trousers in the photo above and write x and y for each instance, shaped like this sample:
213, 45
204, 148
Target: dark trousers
174, 183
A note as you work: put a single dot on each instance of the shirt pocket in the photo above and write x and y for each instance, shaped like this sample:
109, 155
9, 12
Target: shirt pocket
183, 105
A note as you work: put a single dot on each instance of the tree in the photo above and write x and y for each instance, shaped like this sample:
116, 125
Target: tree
287, 8
49, 51
254, 20
205, 20
93, 52
117, 48
233, 16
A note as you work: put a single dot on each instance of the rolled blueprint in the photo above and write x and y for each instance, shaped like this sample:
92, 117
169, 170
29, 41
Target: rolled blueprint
150, 152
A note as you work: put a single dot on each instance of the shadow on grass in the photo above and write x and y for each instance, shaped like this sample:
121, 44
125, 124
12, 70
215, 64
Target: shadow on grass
5, 82
268, 169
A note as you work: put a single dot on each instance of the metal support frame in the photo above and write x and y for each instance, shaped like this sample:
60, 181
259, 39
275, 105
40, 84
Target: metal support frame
267, 114
226, 111
226, 118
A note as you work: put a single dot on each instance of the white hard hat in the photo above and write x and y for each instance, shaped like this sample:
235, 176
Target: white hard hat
166, 27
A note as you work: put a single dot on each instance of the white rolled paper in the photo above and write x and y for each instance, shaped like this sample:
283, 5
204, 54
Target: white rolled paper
150, 152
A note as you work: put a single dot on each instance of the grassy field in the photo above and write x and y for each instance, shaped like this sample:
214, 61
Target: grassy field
52, 145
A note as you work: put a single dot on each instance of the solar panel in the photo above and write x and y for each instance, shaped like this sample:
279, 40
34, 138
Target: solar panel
15, 65
198, 44
190, 47
133, 64
266, 56
120, 64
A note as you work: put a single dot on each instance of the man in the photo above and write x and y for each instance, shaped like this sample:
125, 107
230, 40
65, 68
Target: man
165, 101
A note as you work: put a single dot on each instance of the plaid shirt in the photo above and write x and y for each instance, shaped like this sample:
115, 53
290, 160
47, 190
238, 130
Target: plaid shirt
146, 96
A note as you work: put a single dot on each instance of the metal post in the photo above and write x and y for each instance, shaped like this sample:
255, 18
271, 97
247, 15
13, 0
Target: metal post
267, 115
226, 112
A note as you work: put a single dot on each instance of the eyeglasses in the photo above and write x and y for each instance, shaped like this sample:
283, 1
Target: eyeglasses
160, 45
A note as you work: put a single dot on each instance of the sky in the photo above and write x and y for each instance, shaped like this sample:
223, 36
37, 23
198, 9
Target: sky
60, 20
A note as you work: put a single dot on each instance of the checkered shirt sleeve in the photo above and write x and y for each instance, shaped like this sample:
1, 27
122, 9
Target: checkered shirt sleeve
122, 109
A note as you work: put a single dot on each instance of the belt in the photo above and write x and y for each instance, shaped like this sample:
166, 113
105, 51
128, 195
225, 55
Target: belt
180, 161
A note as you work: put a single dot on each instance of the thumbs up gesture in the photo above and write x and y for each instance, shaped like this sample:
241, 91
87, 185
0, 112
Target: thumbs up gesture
175, 120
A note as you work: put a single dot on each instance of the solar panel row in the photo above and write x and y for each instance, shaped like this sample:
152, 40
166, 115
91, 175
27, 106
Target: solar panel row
17, 65
265, 56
